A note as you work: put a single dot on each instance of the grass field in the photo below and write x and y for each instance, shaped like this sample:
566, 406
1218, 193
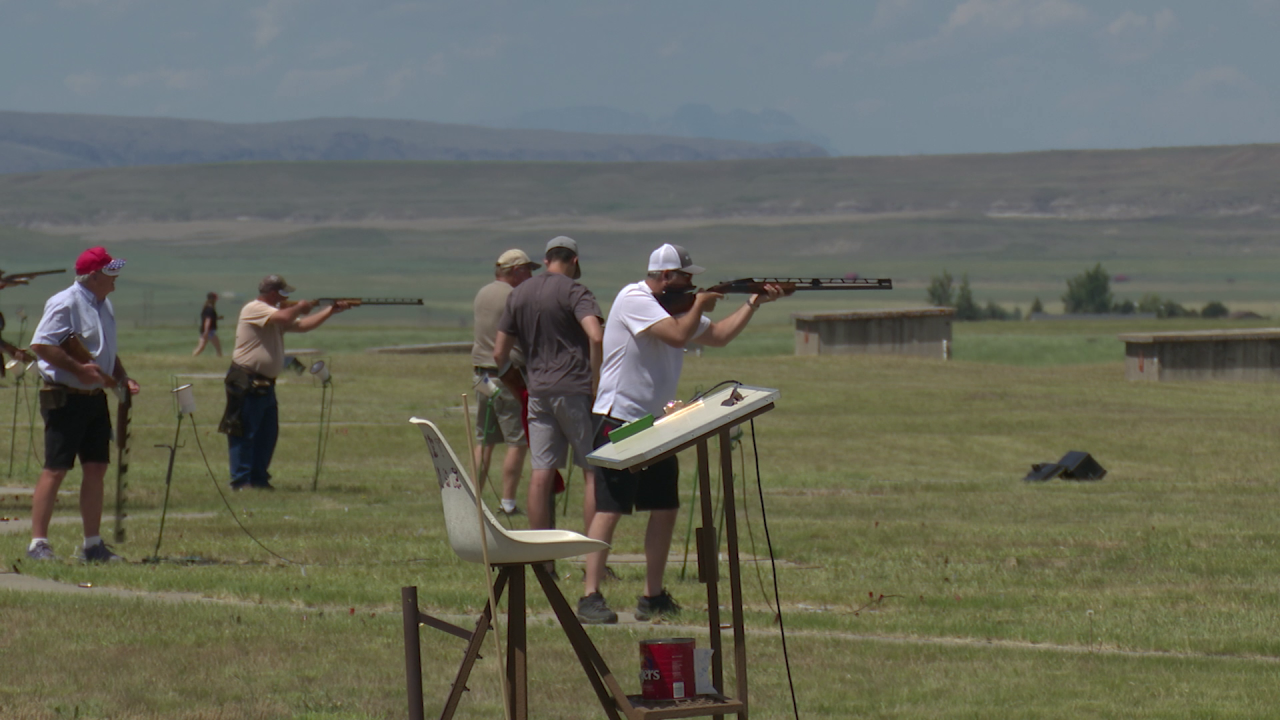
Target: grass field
922, 578
1011, 262
1148, 594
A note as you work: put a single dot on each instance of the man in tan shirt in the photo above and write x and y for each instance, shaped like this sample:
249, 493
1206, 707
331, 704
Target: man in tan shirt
499, 409
252, 418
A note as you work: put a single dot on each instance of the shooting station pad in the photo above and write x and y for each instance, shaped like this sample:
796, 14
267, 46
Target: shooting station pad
694, 425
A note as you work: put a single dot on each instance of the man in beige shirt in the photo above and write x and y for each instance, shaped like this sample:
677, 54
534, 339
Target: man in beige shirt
499, 409
252, 418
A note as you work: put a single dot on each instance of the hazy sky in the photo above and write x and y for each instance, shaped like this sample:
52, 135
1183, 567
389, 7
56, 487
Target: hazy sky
887, 77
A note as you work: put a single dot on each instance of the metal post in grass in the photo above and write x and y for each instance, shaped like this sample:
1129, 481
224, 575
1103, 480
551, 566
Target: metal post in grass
412, 651
321, 372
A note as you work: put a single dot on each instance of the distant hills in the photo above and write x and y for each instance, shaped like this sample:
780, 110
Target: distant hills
1110, 185
40, 142
688, 121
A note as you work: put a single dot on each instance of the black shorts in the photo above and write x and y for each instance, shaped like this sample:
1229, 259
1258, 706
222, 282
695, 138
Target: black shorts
81, 427
657, 487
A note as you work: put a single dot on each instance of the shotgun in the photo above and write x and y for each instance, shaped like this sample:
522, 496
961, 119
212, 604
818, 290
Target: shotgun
73, 347
356, 302
23, 278
681, 301
124, 413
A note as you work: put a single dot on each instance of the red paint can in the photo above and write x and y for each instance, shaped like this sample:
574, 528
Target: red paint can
666, 669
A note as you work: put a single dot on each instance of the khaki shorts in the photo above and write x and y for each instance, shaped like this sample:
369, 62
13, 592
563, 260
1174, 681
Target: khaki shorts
556, 424
498, 417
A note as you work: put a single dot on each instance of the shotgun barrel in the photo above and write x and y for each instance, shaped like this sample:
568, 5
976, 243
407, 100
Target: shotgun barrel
681, 302
23, 278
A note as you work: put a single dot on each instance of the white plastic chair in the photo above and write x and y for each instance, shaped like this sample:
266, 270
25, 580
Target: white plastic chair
510, 551
506, 547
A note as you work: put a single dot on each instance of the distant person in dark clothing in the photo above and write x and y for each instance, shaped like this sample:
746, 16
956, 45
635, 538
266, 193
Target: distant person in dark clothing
209, 318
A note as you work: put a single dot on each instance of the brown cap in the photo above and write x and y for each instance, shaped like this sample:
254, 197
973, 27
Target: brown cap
275, 282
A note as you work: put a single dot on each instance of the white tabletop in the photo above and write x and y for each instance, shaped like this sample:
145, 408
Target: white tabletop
694, 421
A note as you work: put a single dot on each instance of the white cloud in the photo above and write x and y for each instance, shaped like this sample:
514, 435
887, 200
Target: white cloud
1010, 16
82, 83
975, 21
164, 77
1132, 37
269, 20
301, 83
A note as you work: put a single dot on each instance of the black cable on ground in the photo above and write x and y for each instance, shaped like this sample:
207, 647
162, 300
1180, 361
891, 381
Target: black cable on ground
746, 519
168, 484
195, 431
688, 534
202, 561
764, 519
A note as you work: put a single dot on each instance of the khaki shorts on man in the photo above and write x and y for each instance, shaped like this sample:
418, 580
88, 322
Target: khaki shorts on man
497, 413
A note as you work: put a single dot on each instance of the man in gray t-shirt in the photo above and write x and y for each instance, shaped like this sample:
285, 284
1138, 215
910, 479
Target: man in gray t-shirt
556, 321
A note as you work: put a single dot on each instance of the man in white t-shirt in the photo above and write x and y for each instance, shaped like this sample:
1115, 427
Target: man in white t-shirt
643, 355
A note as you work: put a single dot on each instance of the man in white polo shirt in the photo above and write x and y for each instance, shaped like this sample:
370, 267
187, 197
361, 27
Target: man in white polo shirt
76, 344
643, 355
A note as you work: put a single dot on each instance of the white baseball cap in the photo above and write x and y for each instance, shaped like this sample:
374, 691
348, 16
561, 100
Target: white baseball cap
673, 257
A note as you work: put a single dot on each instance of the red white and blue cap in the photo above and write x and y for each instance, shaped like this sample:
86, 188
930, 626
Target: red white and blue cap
98, 259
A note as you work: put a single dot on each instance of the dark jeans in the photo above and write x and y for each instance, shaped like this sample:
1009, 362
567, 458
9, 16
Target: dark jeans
251, 452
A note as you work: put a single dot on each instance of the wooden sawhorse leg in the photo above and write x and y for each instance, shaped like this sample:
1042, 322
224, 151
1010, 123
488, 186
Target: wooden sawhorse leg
413, 647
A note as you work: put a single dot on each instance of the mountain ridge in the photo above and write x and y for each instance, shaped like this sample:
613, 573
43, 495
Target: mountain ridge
1063, 185
42, 142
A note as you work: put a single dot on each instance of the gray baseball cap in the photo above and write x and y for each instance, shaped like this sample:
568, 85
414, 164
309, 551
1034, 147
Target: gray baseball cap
563, 241
568, 243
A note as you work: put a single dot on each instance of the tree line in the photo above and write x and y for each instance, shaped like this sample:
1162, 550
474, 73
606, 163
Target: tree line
1088, 293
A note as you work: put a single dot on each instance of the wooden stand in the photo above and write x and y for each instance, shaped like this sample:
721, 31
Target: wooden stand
716, 417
